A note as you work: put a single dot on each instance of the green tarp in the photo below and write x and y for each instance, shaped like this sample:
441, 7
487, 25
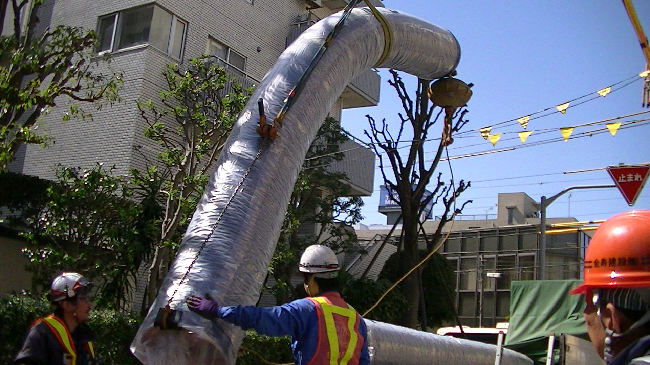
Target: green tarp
539, 308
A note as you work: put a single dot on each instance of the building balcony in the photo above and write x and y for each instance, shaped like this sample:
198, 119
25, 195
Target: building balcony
363, 91
245, 80
358, 165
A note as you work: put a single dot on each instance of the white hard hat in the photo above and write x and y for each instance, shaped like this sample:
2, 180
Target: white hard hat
319, 260
67, 285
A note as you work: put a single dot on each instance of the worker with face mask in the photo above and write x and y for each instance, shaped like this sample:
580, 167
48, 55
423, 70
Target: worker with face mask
324, 329
617, 289
62, 338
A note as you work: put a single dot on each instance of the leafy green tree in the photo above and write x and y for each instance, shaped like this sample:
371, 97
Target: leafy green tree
412, 172
320, 202
438, 284
38, 68
363, 294
85, 222
190, 122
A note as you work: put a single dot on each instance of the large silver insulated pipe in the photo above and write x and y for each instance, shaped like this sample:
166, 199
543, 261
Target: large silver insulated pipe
242, 209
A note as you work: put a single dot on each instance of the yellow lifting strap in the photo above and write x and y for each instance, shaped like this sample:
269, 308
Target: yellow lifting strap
328, 313
388, 33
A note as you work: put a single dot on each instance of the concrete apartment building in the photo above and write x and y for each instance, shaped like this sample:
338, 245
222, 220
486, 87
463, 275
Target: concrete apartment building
489, 252
143, 36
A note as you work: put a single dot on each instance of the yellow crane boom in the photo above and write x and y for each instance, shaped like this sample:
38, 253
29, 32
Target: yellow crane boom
643, 41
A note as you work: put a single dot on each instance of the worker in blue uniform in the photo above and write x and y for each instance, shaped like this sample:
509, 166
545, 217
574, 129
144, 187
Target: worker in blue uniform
324, 329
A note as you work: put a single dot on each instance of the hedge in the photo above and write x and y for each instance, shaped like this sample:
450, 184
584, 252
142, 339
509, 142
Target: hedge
115, 332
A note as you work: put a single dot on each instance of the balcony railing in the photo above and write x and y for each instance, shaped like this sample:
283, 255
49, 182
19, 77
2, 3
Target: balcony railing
359, 167
239, 76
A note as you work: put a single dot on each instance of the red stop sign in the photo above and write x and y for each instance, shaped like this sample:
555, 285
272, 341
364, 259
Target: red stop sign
629, 180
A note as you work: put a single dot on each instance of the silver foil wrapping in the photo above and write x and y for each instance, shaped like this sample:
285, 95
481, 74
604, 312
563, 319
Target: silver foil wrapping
395, 345
239, 219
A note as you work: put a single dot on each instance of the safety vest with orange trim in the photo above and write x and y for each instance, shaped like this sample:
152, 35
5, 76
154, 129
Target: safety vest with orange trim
339, 339
60, 331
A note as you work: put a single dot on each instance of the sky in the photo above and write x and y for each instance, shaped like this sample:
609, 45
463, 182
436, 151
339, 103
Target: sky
525, 57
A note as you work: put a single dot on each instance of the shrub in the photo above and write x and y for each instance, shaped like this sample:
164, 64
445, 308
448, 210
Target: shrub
114, 330
259, 349
17, 312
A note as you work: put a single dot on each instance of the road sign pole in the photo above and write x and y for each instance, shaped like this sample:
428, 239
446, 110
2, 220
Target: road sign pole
542, 229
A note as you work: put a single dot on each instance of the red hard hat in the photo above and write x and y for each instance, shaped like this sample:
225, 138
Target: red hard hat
618, 256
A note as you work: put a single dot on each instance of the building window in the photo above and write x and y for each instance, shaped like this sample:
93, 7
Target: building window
144, 25
227, 54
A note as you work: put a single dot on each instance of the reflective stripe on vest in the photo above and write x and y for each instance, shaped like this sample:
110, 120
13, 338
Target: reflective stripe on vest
62, 334
90, 349
328, 313
60, 331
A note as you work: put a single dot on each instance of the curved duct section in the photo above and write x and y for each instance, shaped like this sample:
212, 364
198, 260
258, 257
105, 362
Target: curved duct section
238, 221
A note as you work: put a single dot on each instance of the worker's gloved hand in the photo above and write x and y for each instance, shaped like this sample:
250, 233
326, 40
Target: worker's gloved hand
206, 307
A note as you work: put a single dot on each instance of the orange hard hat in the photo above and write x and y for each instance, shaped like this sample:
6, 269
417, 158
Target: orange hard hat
618, 255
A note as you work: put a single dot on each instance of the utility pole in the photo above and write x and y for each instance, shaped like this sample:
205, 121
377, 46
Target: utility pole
542, 236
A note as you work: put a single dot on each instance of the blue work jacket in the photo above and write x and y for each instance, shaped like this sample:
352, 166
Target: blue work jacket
298, 319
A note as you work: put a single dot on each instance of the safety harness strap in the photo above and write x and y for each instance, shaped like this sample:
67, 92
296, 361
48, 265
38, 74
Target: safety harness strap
328, 314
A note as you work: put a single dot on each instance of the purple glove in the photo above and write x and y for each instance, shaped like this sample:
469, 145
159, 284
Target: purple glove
205, 307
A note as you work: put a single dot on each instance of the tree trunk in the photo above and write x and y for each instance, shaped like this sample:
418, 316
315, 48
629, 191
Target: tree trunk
157, 272
410, 285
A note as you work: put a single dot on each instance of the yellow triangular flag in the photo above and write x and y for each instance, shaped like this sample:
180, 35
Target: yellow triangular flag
563, 107
613, 127
645, 73
485, 132
566, 132
605, 91
524, 121
524, 135
494, 138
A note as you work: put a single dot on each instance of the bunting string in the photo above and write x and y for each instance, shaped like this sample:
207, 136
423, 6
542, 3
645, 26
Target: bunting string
560, 108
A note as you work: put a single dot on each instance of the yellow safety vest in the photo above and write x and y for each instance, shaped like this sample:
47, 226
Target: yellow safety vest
332, 335
60, 331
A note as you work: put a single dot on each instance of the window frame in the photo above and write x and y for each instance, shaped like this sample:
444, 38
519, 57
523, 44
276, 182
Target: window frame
228, 51
117, 31
116, 19
172, 35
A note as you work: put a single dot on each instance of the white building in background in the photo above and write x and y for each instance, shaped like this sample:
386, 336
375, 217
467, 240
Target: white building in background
489, 252
142, 37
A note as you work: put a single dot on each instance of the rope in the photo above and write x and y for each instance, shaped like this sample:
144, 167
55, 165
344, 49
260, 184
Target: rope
293, 94
388, 33
453, 215
216, 223
388, 39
